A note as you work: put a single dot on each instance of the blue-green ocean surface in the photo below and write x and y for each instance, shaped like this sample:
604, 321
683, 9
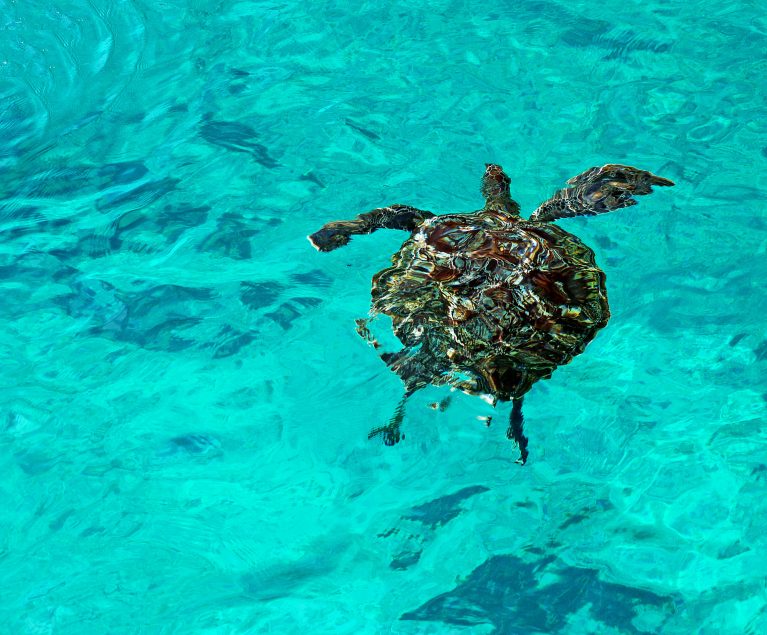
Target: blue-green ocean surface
185, 401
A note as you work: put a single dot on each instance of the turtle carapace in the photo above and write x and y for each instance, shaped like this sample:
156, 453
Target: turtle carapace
490, 302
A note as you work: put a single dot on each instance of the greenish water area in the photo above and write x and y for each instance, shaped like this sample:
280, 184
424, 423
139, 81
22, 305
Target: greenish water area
184, 401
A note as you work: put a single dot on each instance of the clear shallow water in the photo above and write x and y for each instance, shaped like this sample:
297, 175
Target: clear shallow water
185, 401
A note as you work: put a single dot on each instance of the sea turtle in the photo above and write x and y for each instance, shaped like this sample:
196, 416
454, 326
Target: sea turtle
489, 302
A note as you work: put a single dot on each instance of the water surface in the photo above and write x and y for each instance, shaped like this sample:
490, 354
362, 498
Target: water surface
185, 401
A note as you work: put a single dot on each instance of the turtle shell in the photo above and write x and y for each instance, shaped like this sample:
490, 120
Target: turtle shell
488, 303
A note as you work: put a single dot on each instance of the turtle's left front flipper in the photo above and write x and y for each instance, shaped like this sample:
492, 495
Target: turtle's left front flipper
338, 233
599, 190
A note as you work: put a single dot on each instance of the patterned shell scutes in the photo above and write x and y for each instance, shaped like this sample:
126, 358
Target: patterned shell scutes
489, 304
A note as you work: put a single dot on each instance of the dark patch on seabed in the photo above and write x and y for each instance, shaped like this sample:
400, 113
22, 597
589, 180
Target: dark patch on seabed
287, 312
170, 222
406, 560
257, 295
160, 317
156, 318
237, 137
442, 510
34, 225
197, 445
315, 278
262, 295
77, 180
411, 541
505, 592
230, 341
139, 197
761, 351
231, 237
363, 131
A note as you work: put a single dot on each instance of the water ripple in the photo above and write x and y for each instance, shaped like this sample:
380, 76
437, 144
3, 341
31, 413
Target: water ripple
183, 398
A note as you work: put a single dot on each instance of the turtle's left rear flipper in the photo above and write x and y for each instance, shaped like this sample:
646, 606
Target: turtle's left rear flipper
599, 190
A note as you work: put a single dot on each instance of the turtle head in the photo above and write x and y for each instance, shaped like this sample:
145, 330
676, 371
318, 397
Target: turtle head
495, 189
495, 182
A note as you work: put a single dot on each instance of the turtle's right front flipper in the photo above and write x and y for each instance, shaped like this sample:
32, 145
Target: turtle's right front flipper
599, 190
337, 233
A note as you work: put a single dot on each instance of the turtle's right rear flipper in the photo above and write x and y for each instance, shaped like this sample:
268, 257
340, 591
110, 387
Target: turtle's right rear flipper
515, 432
599, 190
391, 433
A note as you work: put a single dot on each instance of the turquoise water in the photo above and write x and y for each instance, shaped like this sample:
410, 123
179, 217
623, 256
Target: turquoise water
185, 402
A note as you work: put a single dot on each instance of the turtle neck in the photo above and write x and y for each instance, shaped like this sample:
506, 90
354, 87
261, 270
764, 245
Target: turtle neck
506, 208
495, 189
